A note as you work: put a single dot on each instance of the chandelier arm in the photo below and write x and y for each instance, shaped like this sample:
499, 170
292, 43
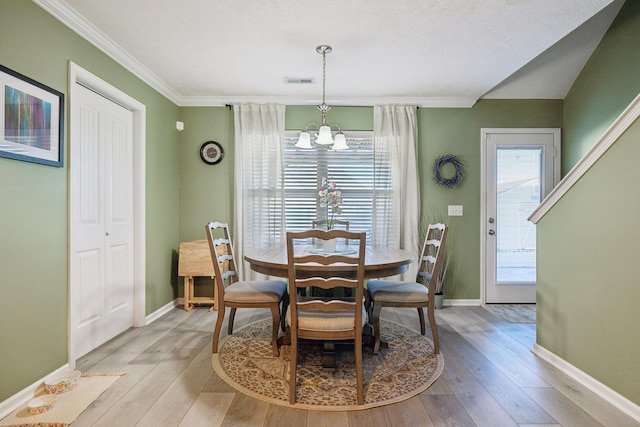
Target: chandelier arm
306, 129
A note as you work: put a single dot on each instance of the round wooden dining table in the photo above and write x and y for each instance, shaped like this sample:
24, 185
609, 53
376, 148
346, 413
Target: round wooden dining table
379, 262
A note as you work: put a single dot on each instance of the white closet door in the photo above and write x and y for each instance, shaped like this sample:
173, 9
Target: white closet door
101, 265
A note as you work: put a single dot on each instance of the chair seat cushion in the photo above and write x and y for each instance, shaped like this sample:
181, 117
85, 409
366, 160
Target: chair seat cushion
394, 291
315, 320
256, 291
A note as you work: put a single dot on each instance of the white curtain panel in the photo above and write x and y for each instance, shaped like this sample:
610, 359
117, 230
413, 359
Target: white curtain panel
396, 221
259, 184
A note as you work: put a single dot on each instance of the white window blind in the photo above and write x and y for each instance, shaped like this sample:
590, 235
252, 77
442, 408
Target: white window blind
354, 171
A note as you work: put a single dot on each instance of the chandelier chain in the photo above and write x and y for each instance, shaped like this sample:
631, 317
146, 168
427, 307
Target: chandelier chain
324, 74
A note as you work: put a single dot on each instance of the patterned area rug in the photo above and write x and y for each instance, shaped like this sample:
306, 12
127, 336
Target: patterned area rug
407, 367
68, 405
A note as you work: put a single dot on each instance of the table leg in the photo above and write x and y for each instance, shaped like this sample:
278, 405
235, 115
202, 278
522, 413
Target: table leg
329, 356
188, 292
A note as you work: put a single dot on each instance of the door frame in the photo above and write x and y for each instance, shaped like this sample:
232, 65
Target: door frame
483, 189
79, 75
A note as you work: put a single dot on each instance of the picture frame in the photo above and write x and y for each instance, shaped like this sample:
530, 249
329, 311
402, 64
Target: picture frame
32, 116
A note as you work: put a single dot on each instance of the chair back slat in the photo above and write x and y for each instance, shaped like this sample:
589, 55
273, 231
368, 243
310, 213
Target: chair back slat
325, 305
327, 283
322, 224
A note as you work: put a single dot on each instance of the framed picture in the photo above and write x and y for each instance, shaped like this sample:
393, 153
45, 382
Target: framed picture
32, 120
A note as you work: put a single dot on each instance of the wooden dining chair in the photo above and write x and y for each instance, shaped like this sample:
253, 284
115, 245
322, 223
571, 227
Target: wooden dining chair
271, 294
418, 294
326, 318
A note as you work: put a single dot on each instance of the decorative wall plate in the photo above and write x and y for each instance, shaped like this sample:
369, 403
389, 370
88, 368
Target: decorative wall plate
211, 152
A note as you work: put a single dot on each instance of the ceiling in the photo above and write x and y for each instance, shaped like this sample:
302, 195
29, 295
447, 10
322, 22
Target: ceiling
441, 53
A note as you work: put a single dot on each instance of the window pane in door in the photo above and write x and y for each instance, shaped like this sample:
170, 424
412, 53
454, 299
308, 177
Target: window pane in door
518, 194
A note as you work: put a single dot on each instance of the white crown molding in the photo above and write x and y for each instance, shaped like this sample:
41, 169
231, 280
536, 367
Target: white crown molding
611, 396
619, 126
423, 102
69, 17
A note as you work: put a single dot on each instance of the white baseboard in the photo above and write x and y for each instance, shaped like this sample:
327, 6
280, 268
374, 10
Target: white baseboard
162, 311
461, 302
26, 394
611, 396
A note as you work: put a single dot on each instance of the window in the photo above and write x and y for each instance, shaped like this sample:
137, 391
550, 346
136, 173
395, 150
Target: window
354, 171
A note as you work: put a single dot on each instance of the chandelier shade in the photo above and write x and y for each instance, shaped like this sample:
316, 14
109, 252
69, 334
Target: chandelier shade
324, 136
341, 142
304, 141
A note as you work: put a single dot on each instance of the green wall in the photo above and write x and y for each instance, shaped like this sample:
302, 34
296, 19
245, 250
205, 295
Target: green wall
34, 213
445, 130
607, 84
587, 288
206, 191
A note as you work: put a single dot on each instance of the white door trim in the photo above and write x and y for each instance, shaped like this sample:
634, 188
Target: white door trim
483, 189
78, 74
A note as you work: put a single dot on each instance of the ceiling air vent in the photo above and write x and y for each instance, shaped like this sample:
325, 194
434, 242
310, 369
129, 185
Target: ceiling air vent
299, 80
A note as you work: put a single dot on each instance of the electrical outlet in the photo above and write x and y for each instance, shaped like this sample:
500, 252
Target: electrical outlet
455, 210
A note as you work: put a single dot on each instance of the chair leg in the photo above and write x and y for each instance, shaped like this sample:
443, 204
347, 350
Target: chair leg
275, 314
377, 308
367, 305
423, 329
293, 366
283, 316
434, 330
232, 317
359, 374
216, 330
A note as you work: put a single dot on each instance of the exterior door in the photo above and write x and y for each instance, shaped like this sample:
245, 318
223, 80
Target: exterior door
520, 167
101, 263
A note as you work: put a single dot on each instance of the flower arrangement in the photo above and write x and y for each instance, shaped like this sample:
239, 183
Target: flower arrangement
331, 198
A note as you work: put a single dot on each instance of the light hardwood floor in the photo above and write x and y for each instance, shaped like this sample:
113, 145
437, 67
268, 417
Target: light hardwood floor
490, 378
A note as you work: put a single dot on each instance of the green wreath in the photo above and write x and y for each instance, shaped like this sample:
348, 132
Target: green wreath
454, 180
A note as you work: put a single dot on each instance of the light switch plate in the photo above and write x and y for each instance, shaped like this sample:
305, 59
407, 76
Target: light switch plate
455, 210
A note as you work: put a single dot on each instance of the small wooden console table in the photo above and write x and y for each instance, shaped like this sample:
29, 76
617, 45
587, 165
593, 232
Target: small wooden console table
194, 260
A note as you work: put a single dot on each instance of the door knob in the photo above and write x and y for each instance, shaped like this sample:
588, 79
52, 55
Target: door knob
492, 232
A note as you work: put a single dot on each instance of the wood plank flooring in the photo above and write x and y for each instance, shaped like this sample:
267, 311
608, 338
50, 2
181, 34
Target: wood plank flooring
490, 378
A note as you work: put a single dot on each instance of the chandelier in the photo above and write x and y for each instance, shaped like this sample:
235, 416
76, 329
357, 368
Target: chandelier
324, 136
